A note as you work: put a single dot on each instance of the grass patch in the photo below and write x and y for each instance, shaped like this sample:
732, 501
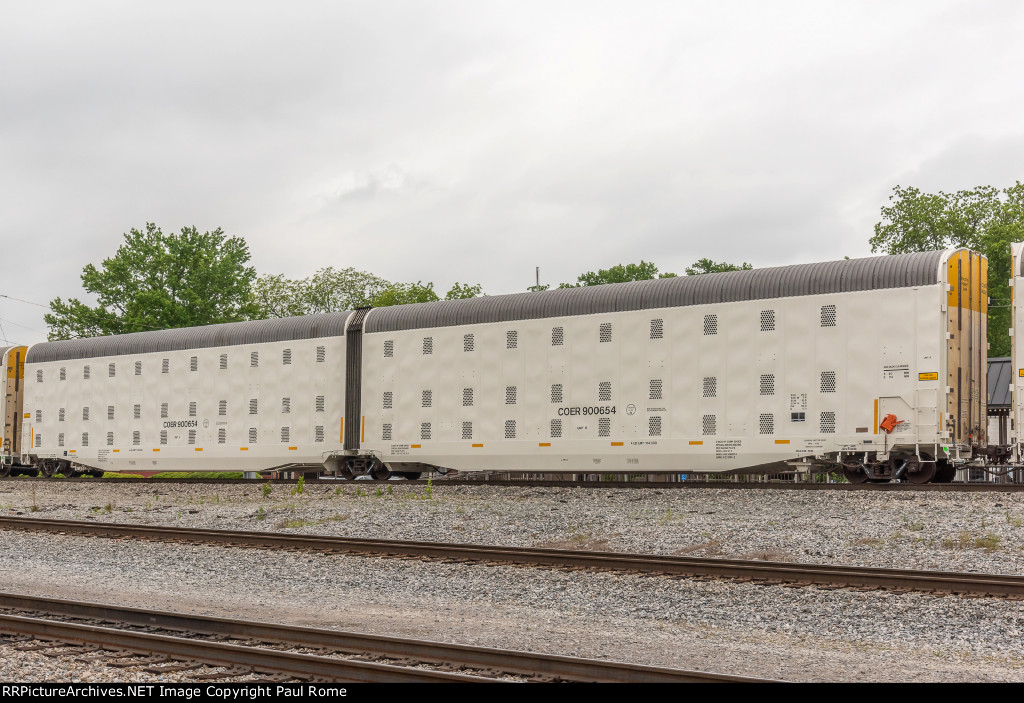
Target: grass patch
336, 518
285, 524
869, 542
989, 542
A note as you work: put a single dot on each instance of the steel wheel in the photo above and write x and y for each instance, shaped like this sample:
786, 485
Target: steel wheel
345, 471
5, 470
380, 472
918, 472
47, 468
853, 472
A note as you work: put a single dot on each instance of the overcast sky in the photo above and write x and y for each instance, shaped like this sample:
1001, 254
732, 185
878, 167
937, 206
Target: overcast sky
472, 141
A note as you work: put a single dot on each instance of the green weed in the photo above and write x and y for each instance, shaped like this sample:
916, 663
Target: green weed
285, 524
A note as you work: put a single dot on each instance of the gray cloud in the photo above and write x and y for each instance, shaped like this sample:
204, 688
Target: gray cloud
473, 141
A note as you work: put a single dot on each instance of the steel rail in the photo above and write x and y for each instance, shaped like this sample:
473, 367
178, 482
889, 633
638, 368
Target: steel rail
553, 483
981, 584
222, 654
483, 658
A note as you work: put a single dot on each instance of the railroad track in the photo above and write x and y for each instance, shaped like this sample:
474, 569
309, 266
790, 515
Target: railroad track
543, 483
787, 573
166, 641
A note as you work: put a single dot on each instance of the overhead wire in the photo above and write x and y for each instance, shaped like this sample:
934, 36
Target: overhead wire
20, 300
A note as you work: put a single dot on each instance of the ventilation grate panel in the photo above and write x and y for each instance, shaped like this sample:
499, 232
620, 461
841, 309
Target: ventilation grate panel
656, 389
556, 392
828, 315
710, 386
828, 381
654, 426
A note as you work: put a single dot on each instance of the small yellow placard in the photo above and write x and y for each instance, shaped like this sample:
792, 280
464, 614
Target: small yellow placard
1021, 373
927, 377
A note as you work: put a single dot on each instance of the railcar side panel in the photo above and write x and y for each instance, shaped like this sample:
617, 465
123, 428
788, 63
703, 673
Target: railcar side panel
715, 387
12, 368
1016, 349
244, 407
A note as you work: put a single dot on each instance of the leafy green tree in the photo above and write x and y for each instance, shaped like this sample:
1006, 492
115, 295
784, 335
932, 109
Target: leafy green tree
620, 273
327, 290
277, 296
460, 291
708, 266
419, 292
917, 221
332, 290
404, 294
160, 281
984, 218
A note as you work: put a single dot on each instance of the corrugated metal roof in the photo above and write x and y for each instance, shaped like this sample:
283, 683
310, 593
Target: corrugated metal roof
898, 271
999, 379
330, 324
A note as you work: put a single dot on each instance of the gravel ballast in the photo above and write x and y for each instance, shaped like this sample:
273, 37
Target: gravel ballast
804, 634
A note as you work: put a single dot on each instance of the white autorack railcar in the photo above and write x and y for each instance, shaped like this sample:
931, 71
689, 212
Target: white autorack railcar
873, 365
